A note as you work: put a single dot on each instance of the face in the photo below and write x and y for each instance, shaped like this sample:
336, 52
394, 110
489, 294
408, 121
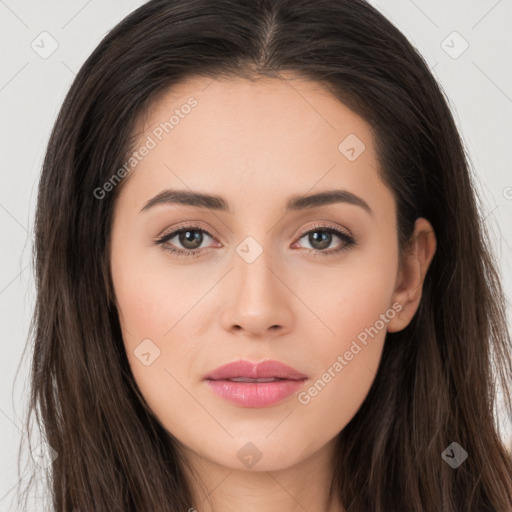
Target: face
259, 274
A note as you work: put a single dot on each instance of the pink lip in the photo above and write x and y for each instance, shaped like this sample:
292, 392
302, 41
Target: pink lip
255, 394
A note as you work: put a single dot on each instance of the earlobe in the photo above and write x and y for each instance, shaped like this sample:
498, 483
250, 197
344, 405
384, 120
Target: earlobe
411, 274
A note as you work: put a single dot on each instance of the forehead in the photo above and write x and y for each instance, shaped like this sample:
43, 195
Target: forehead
254, 139
297, 108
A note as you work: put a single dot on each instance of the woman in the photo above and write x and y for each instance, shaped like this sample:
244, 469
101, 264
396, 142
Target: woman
329, 345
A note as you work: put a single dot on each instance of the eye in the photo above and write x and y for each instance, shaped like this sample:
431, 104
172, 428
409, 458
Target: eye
320, 238
189, 237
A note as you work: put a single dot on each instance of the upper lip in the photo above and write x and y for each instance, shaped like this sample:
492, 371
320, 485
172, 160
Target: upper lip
264, 369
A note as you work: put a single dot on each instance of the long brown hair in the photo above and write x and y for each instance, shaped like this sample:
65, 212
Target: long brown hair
436, 383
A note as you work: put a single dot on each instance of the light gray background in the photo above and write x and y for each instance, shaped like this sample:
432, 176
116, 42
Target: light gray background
478, 83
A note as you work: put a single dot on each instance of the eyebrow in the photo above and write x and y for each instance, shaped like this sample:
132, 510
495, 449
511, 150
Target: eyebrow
213, 202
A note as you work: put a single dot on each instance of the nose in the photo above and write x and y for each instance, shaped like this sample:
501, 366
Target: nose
260, 300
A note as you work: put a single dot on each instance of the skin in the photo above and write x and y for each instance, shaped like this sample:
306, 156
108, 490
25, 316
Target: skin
257, 144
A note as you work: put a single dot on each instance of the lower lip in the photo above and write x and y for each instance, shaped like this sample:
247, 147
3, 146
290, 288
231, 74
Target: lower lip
255, 394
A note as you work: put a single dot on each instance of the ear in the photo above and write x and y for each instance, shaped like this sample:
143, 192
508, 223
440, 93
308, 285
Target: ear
411, 274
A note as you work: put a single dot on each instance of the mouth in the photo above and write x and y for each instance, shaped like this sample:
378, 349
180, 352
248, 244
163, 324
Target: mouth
255, 384
247, 379
243, 369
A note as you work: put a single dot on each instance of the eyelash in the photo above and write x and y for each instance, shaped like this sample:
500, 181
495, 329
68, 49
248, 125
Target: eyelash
348, 241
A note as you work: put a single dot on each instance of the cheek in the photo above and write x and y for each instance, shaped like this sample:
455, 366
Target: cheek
152, 294
150, 304
346, 367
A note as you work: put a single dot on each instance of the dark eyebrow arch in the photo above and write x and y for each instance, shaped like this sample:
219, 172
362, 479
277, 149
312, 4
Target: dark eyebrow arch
328, 197
200, 200
189, 198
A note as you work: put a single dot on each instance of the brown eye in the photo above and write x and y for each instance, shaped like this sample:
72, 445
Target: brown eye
188, 240
320, 238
